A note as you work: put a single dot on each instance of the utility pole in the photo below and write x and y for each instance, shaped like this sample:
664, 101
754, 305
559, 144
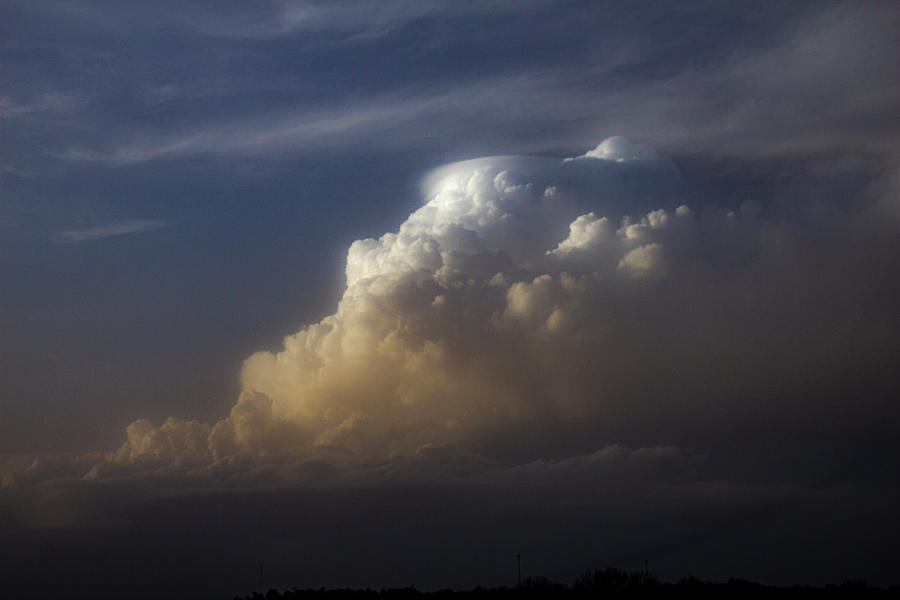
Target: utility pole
519, 567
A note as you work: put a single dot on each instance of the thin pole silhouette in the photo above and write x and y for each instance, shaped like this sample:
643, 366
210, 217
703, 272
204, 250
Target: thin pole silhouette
519, 567
260, 578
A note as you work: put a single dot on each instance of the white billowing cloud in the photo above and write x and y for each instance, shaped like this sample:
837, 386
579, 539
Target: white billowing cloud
416, 352
570, 303
643, 260
620, 149
585, 233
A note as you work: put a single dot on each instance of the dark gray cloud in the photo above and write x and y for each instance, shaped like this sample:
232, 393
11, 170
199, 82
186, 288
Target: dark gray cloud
562, 518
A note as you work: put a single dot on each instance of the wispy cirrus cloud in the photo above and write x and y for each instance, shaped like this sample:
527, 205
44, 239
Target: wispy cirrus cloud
352, 21
297, 130
75, 236
42, 104
814, 86
808, 93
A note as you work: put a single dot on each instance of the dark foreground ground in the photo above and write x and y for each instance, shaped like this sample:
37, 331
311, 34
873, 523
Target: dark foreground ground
599, 584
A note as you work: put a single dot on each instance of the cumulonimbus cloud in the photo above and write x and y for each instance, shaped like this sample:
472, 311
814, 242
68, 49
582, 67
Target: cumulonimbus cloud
536, 308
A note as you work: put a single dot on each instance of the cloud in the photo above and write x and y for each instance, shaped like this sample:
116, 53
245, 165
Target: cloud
354, 21
643, 260
77, 236
815, 85
818, 86
620, 149
43, 104
349, 21
576, 303
299, 130
543, 350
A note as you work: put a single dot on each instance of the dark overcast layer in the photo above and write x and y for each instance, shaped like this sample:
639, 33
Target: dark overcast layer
387, 293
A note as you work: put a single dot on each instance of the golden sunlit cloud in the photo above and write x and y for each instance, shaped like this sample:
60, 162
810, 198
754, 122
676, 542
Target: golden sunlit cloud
534, 309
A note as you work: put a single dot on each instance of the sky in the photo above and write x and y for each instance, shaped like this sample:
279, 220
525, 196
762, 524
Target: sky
380, 294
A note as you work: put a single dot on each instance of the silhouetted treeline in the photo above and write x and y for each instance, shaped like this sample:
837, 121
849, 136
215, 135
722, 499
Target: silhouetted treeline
602, 583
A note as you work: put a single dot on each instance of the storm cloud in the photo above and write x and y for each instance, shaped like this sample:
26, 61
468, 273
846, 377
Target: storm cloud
538, 309
576, 332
